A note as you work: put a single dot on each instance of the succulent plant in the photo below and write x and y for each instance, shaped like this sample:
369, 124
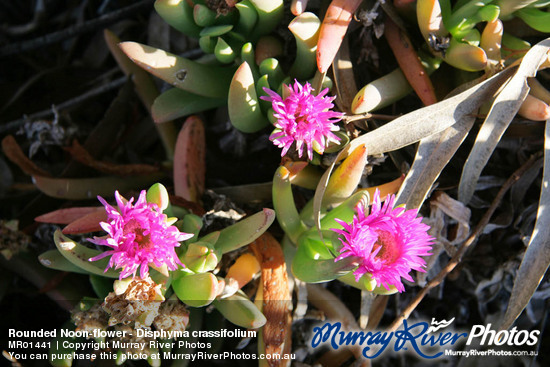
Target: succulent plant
142, 234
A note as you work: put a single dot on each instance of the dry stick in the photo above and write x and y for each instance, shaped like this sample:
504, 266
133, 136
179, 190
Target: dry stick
71, 102
72, 31
457, 258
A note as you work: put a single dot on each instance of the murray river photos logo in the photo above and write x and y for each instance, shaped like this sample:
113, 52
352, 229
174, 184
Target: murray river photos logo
426, 340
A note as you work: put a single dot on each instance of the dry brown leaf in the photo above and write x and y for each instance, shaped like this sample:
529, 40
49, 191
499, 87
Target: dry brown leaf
501, 114
432, 155
277, 301
537, 256
80, 154
13, 151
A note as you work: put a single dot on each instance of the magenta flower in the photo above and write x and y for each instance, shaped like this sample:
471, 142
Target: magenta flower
389, 242
303, 118
139, 235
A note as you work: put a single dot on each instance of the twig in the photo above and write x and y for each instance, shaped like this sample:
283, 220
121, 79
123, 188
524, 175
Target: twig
40, 15
91, 93
44, 113
75, 30
470, 241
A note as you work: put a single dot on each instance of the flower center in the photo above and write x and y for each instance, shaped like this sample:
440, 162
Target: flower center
141, 240
389, 248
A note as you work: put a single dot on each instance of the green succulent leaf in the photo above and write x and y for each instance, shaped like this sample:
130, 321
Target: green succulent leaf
79, 255
54, 260
244, 108
205, 80
195, 290
178, 14
176, 103
239, 310
245, 231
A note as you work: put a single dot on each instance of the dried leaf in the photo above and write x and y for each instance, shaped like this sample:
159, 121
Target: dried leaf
80, 154
277, 301
103, 138
501, 114
13, 151
537, 256
432, 155
88, 188
189, 160
443, 206
68, 215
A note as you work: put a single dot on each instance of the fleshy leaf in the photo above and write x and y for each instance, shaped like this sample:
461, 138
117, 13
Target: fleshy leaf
244, 231
284, 205
333, 29
205, 80
239, 310
343, 182
189, 160
244, 107
86, 224
87, 188
176, 103
275, 295
68, 215
196, 290
79, 255
54, 260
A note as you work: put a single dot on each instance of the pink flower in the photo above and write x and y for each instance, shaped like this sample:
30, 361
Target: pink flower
389, 242
303, 118
139, 235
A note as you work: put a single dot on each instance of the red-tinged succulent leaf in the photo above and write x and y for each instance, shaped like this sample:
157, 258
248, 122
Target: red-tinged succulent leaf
89, 188
343, 182
88, 223
333, 29
80, 154
68, 215
189, 160
13, 151
389, 188
409, 63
